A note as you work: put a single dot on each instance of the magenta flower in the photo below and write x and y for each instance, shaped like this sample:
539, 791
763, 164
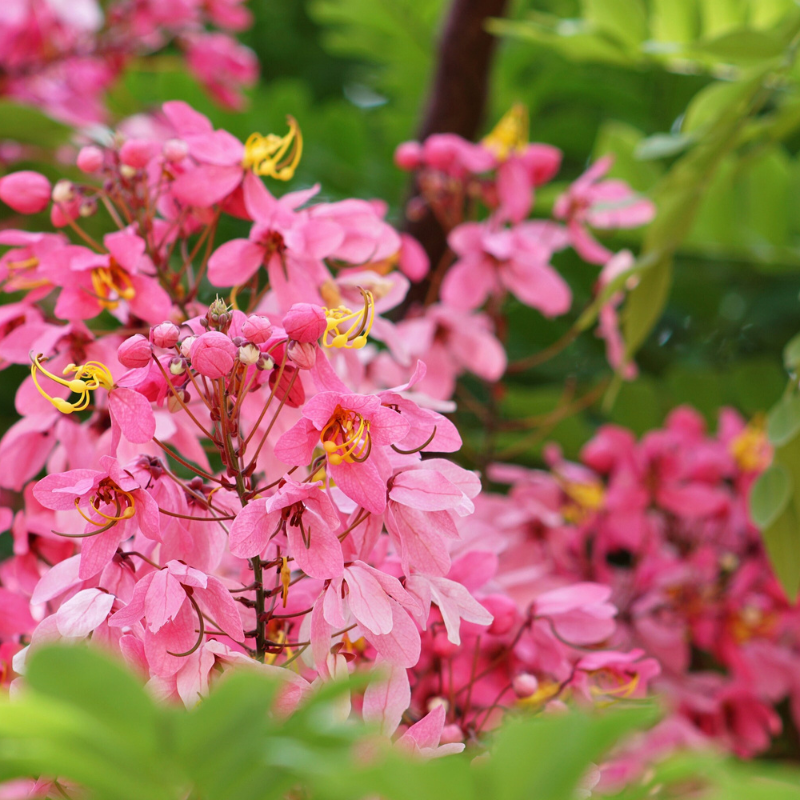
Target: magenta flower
354, 432
26, 192
579, 613
494, 260
307, 518
93, 282
605, 205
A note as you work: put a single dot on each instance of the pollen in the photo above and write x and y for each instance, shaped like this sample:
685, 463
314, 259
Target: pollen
750, 448
349, 329
346, 439
112, 284
274, 156
87, 378
510, 135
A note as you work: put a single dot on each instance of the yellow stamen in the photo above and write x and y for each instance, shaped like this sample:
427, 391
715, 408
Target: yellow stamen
88, 377
127, 512
274, 156
354, 337
620, 692
112, 284
345, 437
510, 135
750, 448
583, 500
286, 579
546, 691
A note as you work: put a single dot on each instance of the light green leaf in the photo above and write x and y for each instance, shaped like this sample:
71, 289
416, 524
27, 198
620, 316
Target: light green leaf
623, 20
29, 125
791, 353
742, 46
675, 20
770, 495
646, 303
662, 145
783, 422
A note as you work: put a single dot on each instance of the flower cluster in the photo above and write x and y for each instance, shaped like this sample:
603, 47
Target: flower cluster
663, 524
63, 57
252, 480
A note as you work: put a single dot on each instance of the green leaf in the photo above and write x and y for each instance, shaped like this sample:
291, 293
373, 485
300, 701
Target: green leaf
783, 422
791, 353
663, 145
742, 46
622, 20
86, 679
721, 16
646, 303
770, 495
675, 20
29, 125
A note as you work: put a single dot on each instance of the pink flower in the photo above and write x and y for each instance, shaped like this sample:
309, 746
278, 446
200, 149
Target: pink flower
222, 65
307, 518
26, 192
600, 204
258, 329
579, 613
90, 159
354, 430
492, 260
165, 335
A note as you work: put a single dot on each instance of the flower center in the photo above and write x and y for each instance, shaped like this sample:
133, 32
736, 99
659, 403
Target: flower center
360, 322
583, 500
346, 437
274, 156
88, 377
112, 284
510, 135
108, 493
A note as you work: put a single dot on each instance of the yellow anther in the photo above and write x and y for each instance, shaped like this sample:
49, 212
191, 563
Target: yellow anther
346, 437
355, 336
583, 500
750, 448
112, 284
510, 135
286, 579
88, 377
274, 156
621, 692
547, 691
111, 493
28, 263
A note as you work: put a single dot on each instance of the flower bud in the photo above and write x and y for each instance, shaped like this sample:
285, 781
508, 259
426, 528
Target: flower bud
175, 150
265, 363
174, 404
127, 171
137, 152
88, 207
212, 354
165, 335
134, 352
304, 354
90, 159
257, 329
408, 155
177, 366
249, 354
186, 346
435, 702
63, 192
525, 684
305, 322
26, 192
451, 734
217, 309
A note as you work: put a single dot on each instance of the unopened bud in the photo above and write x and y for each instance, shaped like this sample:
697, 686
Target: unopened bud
63, 192
175, 150
127, 171
304, 354
525, 684
265, 363
186, 346
90, 159
177, 366
175, 402
435, 702
249, 354
165, 335
88, 208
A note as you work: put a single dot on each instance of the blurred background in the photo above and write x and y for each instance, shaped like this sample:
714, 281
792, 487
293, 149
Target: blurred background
356, 73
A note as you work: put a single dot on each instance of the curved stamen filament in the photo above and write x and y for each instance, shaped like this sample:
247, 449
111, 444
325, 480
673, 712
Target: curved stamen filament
108, 281
121, 514
274, 156
354, 435
87, 377
355, 337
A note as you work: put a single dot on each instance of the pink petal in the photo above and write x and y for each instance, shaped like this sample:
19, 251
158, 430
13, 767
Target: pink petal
81, 614
57, 580
134, 415
217, 602
164, 600
323, 559
385, 700
235, 262
362, 484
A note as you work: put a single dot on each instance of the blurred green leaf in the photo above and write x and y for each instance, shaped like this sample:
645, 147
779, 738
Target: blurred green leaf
623, 20
770, 495
783, 423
